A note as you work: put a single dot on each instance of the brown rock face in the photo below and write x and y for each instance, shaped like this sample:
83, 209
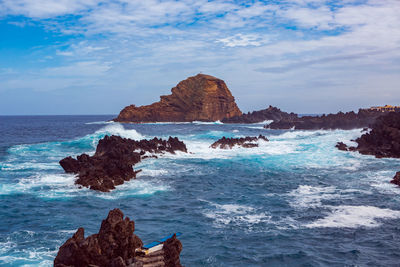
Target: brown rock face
396, 179
114, 245
198, 98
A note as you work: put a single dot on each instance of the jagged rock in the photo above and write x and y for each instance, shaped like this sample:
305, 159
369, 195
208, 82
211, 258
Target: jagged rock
198, 98
172, 249
111, 165
345, 121
113, 245
383, 141
342, 146
396, 179
247, 142
270, 113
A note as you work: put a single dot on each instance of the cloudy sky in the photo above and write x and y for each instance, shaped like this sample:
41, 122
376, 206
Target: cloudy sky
95, 57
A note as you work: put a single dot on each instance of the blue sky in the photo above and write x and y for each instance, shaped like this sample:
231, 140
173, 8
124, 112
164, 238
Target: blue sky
95, 57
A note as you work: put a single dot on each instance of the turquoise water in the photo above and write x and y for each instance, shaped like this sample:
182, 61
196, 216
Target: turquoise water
293, 201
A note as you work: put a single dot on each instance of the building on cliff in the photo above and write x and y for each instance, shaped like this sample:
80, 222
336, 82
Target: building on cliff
386, 108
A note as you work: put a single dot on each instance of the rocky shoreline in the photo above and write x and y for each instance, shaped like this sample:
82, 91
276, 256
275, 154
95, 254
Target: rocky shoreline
111, 165
114, 245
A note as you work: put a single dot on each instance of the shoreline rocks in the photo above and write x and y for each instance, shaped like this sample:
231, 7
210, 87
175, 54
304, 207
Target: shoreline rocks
198, 98
247, 142
383, 141
111, 165
344, 121
114, 245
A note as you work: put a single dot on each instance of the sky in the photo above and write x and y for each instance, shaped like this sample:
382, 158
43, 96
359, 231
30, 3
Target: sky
96, 57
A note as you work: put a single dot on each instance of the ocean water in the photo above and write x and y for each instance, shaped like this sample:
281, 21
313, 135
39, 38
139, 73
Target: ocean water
293, 201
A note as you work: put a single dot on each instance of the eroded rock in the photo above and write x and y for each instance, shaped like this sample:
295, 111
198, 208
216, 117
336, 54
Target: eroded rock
111, 165
247, 142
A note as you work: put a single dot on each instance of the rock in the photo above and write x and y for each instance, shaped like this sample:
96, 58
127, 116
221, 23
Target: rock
111, 165
383, 141
342, 146
396, 179
198, 98
345, 121
113, 245
172, 249
270, 113
247, 142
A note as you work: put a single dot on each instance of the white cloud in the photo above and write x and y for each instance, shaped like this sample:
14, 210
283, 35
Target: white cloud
241, 40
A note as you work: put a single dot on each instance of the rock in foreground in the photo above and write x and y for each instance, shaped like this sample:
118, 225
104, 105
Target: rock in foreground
112, 163
114, 245
269, 114
247, 142
344, 121
383, 141
198, 98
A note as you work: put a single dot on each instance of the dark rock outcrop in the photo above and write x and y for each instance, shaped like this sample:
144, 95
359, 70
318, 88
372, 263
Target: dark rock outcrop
247, 142
198, 98
396, 179
113, 245
345, 121
111, 165
270, 113
383, 141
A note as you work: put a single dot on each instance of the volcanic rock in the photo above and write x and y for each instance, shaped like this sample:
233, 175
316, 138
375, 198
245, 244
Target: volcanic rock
396, 179
247, 142
112, 162
113, 245
270, 113
345, 121
198, 98
383, 141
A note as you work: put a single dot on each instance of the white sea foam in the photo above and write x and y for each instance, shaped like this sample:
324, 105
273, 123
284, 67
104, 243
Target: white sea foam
118, 129
354, 216
207, 122
306, 196
235, 214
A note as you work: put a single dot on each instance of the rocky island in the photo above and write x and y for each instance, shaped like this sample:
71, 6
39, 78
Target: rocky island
198, 98
114, 246
246, 142
111, 165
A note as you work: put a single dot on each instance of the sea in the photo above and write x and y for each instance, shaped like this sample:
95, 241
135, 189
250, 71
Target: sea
293, 201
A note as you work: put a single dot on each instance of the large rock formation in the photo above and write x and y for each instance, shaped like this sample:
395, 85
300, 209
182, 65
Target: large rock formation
345, 121
383, 141
113, 246
247, 142
270, 113
198, 98
112, 163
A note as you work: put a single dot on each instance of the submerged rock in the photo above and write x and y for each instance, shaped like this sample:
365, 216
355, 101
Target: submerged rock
111, 165
198, 98
396, 179
114, 245
345, 121
270, 113
247, 142
383, 141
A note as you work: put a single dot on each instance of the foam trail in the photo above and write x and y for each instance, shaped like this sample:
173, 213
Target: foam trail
354, 217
